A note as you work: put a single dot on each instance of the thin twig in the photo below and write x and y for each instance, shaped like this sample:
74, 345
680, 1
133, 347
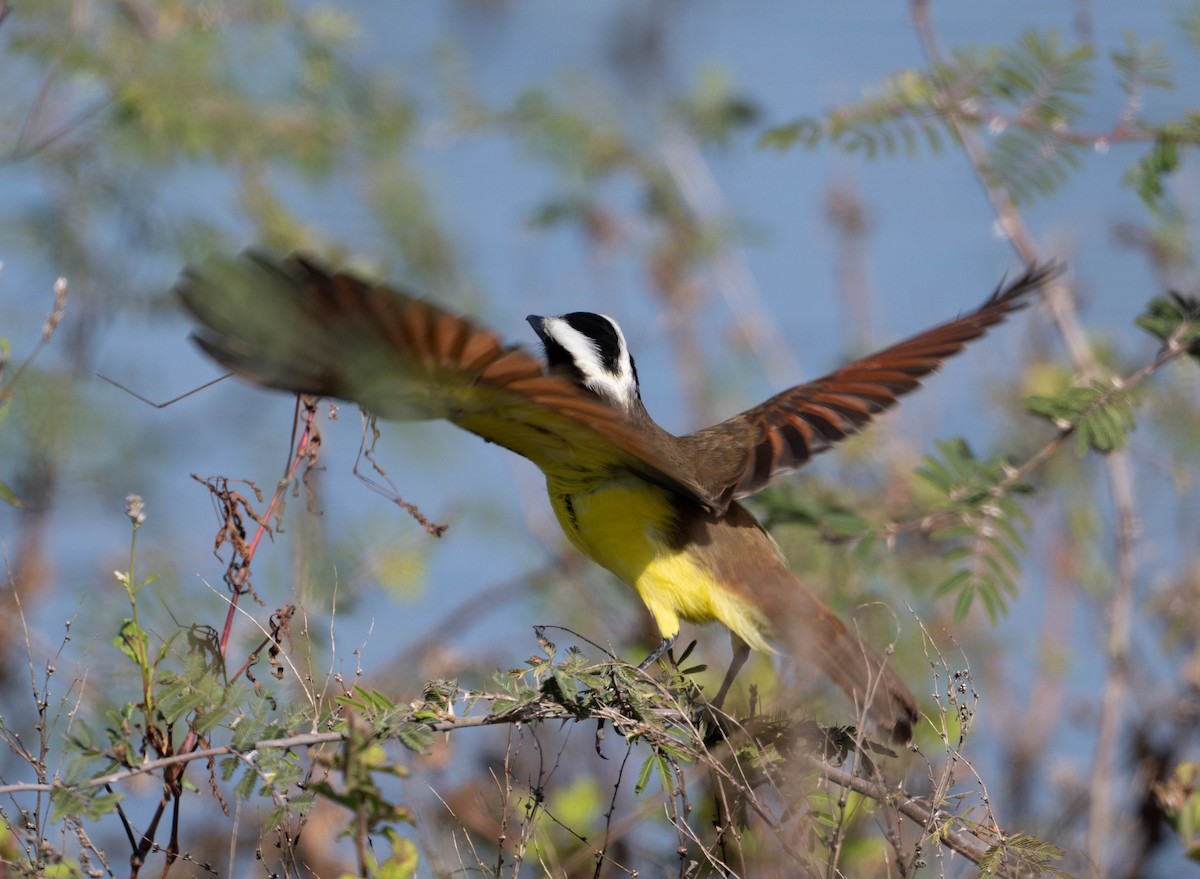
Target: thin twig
173, 400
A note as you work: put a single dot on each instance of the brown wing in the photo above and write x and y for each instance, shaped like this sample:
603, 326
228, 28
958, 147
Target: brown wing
782, 433
294, 326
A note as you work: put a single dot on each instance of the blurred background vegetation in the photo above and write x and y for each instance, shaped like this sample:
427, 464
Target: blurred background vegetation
756, 193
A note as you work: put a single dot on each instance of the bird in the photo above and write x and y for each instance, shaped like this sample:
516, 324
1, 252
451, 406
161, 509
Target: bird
662, 512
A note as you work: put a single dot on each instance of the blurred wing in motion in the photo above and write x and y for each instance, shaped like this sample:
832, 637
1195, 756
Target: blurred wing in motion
294, 326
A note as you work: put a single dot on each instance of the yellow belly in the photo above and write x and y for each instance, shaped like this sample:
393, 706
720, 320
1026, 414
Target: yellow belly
625, 525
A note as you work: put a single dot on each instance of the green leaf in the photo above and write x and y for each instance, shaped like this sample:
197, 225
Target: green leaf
665, 776
982, 542
1164, 157
1142, 66
247, 731
68, 868
246, 785
7, 494
962, 604
165, 648
1179, 798
402, 864
415, 736
1021, 854
1174, 316
92, 805
228, 767
1101, 416
644, 774
568, 687
805, 131
953, 583
131, 641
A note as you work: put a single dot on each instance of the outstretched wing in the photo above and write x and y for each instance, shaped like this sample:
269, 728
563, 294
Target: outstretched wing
782, 433
294, 326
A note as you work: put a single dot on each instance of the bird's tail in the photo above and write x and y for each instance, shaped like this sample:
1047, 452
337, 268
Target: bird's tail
819, 637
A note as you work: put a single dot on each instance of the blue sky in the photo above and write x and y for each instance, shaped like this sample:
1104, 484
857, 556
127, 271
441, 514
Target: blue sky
932, 252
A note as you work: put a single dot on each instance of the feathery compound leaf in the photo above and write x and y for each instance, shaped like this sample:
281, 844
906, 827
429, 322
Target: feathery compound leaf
904, 114
1142, 66
1100, 415
805, 131
1174, 317
1040, 78
1029, 163
1021, 854
984, 541
1148, 174
1027, 97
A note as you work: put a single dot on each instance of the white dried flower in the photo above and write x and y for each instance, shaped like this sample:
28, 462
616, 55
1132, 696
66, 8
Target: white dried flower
135, 508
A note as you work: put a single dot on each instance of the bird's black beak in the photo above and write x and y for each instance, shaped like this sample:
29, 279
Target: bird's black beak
535, 321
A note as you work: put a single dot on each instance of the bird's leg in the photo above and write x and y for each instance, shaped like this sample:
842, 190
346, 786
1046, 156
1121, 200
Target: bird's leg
663, 646
741, 652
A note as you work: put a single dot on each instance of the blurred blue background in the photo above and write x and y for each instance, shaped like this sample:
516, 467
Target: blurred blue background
929, 248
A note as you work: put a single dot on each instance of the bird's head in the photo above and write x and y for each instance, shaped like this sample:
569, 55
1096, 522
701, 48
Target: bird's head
590, 349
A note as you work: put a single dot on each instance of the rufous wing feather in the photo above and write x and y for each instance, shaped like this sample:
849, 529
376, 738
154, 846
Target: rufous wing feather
782, 433
291, 325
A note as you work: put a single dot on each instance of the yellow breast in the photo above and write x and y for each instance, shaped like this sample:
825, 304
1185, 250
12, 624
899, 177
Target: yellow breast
628, 525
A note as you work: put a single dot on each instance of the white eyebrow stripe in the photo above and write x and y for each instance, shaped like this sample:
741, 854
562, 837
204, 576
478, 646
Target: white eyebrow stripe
583, 350
619, 387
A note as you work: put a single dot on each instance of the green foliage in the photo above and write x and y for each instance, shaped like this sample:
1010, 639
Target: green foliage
7, 494
402, 864
1148, 174
1100, 416
1178, 796
833, 520
361, 761
902, 116
714, 112
1041, 79
1174, 320
980, 502
657, 764
1142, 67
1023, 855
196, 693
578, 137
409, 726
89, 805
1026, 98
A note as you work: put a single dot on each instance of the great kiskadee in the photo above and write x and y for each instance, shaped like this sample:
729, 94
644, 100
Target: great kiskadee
660, 511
